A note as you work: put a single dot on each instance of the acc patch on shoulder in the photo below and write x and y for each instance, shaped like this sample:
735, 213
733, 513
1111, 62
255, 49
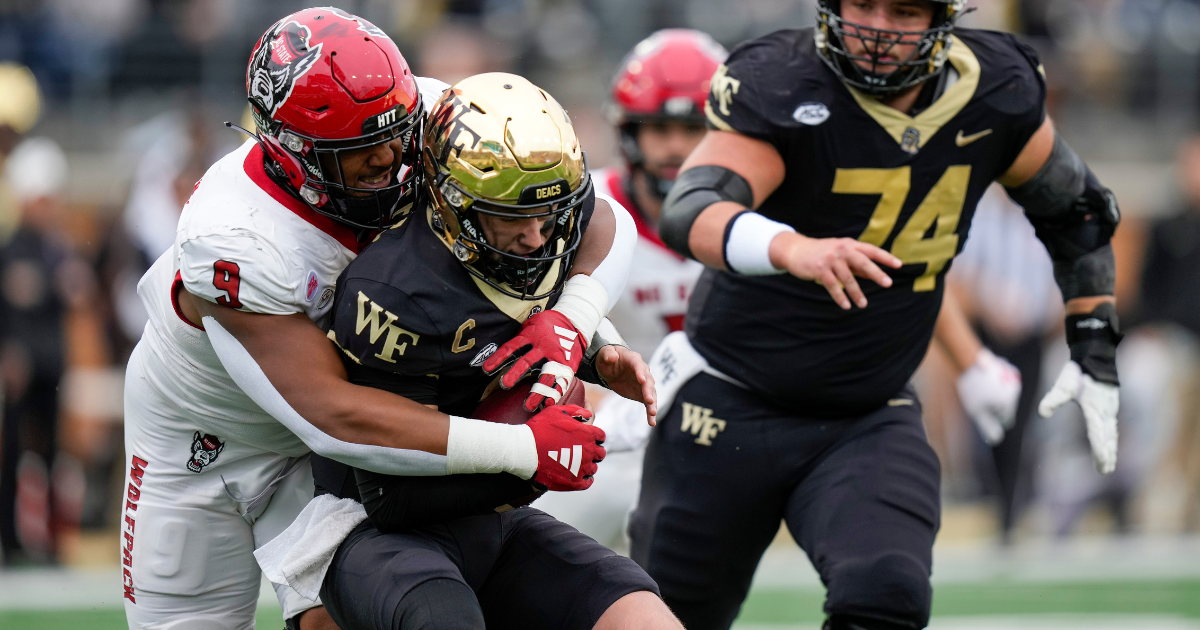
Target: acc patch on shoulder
811, 113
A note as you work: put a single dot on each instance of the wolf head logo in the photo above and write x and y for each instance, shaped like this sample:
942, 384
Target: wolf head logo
205, 449
283, 55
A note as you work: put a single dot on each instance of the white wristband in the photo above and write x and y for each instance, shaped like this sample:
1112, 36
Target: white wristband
478, 446
747, 250
585, 302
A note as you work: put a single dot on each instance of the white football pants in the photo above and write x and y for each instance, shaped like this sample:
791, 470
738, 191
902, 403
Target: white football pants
188, 536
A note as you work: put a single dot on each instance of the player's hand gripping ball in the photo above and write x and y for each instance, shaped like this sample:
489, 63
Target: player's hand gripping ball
548, 341
568, 446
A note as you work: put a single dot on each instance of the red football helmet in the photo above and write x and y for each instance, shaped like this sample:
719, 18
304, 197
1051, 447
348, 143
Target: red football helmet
322, 82
665, 77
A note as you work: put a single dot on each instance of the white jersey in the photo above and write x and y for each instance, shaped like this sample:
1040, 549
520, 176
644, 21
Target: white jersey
660, 281
244, 242
208, 469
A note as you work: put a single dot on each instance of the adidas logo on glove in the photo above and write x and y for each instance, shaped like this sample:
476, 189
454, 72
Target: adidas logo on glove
569, 458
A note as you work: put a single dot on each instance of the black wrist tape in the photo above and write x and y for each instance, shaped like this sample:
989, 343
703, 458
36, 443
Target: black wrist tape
1093, 340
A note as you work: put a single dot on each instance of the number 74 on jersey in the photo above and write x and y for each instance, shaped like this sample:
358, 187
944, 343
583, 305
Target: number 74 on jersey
943, 205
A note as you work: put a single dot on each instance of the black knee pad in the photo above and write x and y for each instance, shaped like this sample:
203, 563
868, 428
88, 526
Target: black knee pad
893, 588
439, 604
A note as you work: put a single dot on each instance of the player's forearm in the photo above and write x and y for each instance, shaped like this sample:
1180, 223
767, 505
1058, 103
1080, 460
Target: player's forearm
370, 455
470, 446
365, 415
706, 239
953, 333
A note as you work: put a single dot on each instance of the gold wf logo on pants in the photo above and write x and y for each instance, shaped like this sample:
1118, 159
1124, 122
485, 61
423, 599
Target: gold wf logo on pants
699, 422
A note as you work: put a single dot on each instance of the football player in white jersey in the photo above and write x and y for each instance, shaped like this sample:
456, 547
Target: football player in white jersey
657, 105
234, 383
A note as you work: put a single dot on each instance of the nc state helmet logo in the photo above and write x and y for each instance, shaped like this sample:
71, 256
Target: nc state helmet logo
205, 449
283, 56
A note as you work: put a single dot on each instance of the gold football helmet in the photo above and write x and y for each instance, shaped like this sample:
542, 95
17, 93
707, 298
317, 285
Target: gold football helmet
496, 144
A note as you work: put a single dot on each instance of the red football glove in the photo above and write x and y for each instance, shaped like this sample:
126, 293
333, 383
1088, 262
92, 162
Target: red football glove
547, 336
568, 449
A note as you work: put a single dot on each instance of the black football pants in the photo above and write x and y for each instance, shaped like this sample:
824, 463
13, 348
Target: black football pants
520, 570
860, 496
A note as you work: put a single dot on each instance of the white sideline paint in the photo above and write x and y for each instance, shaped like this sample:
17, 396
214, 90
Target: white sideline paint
1030, 622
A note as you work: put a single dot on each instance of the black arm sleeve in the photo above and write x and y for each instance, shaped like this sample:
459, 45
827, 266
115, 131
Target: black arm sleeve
396, 503
1075, 217
696, 189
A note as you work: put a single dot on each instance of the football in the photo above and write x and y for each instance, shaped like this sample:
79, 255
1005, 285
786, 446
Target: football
507, 406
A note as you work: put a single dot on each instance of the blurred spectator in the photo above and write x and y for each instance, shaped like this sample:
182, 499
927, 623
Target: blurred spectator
19, 109
181, 147
40, 280
455, 51
1005, 282
1170, 295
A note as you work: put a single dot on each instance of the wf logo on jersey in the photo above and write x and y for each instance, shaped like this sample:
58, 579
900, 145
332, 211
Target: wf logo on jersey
283, 55
392, 344
205, 449
700, 422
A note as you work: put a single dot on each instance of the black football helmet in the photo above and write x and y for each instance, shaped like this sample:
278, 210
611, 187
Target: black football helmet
884, 78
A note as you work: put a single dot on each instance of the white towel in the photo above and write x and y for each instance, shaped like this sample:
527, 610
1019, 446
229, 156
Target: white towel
300, 556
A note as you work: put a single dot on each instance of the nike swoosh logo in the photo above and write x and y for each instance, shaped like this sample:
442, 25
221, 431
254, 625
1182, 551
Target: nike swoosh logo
963, 141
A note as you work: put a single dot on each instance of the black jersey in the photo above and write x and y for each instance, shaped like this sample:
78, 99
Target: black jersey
410, 319
858, 169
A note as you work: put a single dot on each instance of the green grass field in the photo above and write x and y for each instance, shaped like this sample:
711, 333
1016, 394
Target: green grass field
802, 608
1176, 598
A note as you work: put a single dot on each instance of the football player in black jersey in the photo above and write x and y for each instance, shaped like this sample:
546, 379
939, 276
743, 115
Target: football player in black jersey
836, 183
502, 268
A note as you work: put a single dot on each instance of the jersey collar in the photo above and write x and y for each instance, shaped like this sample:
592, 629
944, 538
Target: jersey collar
616, 189
946, 107
258, 174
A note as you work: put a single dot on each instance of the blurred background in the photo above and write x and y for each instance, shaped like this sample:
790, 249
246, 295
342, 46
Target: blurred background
110, 110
